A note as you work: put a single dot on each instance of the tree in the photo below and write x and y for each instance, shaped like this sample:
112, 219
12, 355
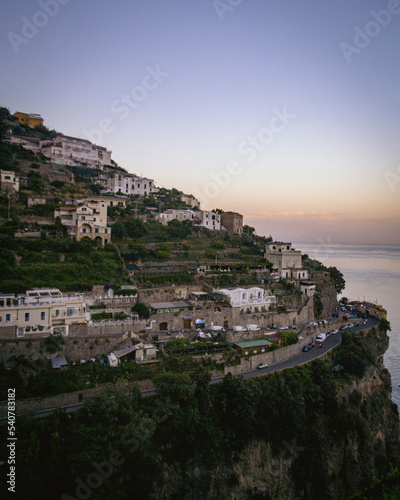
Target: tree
384, 325
142, 310
337, 278
318, 306
248, 230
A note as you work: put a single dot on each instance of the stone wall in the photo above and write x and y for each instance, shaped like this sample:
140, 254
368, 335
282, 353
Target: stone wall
32, 405
272, 357
74, 349
168, 294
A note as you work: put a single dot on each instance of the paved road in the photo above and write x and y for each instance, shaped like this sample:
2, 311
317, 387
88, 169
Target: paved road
298, 359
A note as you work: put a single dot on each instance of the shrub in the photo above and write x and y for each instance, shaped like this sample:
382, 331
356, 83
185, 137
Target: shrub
103, 315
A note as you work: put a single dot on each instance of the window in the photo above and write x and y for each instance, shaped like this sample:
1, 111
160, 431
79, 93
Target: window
8, 302
70, 311
84, 230
42, 316
57, 313
26, 316
106, 231
83, 217
1, 302
8, 318
96, 230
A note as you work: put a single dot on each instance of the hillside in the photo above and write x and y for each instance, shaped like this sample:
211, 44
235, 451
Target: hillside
306, 432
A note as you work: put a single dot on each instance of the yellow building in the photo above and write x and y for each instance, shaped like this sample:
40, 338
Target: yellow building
30, 119
375, 310
86, 221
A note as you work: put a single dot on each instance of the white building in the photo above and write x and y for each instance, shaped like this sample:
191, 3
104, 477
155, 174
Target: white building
286, 261
126, 184
73, 151
308, 288
253, 298
190, 200
86, 221
9, 181
41, 310
209, 220
173, 214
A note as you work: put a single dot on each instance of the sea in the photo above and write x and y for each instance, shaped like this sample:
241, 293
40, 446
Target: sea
372, 273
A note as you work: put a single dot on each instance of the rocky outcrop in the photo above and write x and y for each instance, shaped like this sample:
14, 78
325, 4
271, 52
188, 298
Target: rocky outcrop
350, 439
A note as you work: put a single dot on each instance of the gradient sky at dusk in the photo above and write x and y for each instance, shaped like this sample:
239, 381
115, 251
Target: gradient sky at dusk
263, 89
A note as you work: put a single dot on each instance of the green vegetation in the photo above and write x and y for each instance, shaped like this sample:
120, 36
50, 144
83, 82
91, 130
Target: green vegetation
318, 306
354, 354
142, 310
202, 432
59, 263
336, 275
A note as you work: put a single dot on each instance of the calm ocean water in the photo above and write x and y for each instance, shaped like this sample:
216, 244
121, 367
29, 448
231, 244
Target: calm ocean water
371, 273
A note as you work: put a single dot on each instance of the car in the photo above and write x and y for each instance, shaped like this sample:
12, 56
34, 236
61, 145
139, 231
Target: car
313, 323
262, 365
308, 347
283, 328
335, 332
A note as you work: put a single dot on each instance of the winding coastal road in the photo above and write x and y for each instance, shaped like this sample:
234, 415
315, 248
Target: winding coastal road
298, 359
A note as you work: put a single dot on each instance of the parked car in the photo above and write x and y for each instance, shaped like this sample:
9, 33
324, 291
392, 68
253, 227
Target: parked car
335, 332
308, 347
321, 337
262, 365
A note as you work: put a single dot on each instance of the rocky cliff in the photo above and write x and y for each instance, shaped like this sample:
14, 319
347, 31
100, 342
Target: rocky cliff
348, 434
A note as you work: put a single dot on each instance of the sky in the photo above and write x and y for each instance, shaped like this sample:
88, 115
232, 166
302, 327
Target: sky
287, 112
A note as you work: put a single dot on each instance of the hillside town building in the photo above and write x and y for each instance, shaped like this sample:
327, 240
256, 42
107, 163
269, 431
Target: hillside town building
286, 261
209, 220
9, 181
173, 214
41, 310
73, 151
233, 222
253, 299
190, 200
86, 221
126, 184
30, 119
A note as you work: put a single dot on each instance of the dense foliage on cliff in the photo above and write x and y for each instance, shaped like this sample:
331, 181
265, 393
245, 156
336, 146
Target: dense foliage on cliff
188, 442
315, 266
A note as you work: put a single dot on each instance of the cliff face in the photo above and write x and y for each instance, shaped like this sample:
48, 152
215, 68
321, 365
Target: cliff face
349, 439
328, 295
